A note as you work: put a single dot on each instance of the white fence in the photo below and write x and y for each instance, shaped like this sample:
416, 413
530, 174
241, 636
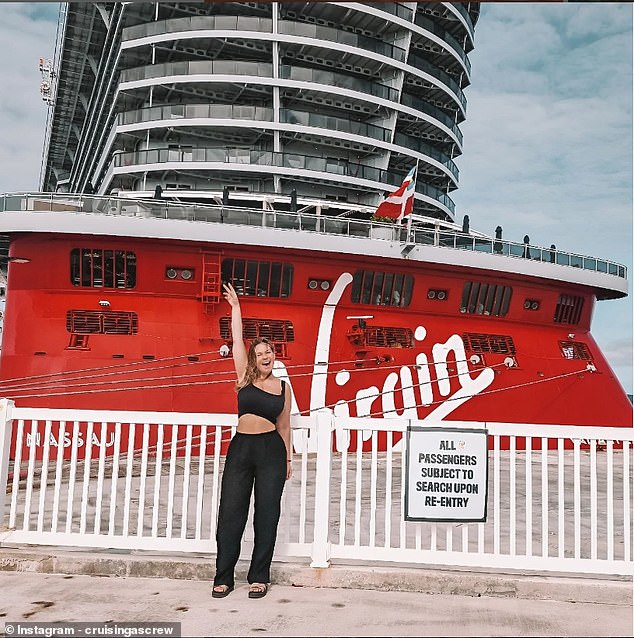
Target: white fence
560, 498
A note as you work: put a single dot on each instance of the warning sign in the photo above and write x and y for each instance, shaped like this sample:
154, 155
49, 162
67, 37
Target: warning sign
446, 477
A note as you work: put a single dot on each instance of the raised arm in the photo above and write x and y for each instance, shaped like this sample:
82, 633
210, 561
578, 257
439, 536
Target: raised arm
238, 349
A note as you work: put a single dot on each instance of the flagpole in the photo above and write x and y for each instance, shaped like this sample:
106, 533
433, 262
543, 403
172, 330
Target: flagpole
409, 217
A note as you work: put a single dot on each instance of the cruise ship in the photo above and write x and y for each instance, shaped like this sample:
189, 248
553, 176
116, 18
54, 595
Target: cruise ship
193, 143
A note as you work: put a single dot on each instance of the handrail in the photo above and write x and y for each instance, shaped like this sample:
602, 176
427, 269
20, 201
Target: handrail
290, 73
330, 34
257, 114
418, 62
274, 159
426, 23
186, 111
192, 67
192, 23
394, 8
263, 25
322, 76
458, 7
165, 209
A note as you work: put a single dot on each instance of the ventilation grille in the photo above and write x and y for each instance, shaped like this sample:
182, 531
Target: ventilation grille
382, 337
497, 344
276, 330
575, 350
104, 322
568, 309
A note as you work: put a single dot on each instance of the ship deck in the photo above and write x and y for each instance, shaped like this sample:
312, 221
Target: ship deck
427, 240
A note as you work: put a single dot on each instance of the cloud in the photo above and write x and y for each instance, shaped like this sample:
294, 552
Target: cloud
548, 139
545, 163
619, 351
598, 20
620, 354
548, 142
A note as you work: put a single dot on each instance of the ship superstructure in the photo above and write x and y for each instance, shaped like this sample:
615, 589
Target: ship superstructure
272, 101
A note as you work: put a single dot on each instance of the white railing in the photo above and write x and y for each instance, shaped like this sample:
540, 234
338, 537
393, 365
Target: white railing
303, 221
134, 480
560, 498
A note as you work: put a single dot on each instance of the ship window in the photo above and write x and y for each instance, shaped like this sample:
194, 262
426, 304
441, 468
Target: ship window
485, 299
382, 288
575, 350
97, 268
568, 309
258, 278
276, 330
104, 322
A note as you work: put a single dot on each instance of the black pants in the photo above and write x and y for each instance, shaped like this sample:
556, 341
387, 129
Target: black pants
259, 459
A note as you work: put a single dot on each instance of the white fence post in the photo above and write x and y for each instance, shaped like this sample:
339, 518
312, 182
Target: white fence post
321, 546
6, 407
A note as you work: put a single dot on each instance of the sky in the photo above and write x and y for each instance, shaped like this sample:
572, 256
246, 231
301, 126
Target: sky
547, 139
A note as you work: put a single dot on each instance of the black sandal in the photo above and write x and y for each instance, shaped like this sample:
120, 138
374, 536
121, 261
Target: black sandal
258, 590
223, 593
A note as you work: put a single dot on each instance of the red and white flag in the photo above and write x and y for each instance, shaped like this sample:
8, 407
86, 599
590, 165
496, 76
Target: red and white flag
400, 203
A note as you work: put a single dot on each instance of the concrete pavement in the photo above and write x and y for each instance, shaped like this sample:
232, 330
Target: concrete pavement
53, 585
299, 611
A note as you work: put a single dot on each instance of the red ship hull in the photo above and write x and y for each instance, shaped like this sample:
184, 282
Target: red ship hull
517, 371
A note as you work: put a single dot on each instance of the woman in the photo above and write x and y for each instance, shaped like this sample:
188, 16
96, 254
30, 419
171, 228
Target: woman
258, 459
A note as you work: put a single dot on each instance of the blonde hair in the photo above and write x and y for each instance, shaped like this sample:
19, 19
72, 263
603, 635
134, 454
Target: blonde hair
251, 373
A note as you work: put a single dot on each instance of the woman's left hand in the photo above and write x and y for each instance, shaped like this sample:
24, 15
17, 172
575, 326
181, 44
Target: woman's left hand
289, 471
231, 295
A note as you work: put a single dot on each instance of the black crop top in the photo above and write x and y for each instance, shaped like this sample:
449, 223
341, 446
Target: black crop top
253, 400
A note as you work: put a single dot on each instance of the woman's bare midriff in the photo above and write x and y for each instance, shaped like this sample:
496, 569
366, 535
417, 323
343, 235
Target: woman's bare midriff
253, 424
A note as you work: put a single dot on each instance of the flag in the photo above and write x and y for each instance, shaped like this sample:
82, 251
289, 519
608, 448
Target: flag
400, 203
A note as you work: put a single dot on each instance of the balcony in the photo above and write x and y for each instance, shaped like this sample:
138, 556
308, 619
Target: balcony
268, 160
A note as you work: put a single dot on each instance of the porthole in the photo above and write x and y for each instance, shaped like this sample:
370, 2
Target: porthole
440, 295
531, 304
314, 284
186, 274
171, 273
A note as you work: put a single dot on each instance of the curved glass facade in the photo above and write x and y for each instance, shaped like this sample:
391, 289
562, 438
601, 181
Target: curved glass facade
359, 92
